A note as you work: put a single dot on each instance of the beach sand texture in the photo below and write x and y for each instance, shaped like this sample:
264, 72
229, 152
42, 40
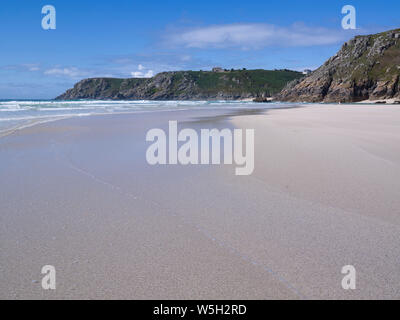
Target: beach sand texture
78, 194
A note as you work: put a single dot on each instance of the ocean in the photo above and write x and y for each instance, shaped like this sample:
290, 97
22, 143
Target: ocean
17, 114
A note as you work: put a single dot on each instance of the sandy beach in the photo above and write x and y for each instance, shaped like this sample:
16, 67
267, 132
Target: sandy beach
78, 194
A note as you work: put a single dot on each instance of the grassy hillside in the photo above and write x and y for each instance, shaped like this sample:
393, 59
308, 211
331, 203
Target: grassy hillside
186, 85
254, 81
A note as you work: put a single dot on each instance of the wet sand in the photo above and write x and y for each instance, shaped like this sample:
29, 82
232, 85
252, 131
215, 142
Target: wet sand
78, 194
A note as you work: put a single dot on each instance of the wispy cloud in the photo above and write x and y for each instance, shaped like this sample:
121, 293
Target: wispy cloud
23, 67
71, 72
139, 74
147, 64
142, 72
59, 71
153, 59
256, 36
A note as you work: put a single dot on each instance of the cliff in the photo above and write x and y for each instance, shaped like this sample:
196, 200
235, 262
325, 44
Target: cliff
185, 85
366, 67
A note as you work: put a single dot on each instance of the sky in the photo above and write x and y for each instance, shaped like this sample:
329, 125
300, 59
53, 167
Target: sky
131, 38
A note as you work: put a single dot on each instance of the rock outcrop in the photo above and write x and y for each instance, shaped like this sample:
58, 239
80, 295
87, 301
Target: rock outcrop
366, 67
185, 85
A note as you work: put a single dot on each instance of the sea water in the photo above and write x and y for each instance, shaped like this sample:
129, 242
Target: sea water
17, 114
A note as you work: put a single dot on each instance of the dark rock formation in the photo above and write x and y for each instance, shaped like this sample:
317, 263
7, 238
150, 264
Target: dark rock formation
366, 67
262, 100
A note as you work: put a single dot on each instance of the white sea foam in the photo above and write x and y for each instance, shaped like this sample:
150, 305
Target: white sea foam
15, 114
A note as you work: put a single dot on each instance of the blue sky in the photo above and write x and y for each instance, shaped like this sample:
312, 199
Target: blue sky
125, 38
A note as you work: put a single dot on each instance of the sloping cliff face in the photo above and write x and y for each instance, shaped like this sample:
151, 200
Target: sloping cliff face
185, 85
366, 67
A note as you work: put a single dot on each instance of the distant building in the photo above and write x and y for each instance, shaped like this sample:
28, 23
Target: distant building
217, 69
396, 35
307, 71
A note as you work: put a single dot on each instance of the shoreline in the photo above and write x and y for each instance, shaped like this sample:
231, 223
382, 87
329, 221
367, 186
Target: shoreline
391, 101
47, 118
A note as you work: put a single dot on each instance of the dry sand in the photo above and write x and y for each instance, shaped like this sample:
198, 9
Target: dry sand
79, 195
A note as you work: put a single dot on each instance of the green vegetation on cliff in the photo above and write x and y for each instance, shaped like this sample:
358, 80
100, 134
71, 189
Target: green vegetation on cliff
366, 67
186, 85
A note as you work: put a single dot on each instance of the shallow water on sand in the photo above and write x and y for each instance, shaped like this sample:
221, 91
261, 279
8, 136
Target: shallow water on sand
18, 114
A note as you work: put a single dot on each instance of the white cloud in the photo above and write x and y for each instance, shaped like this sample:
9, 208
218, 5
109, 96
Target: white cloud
257, 36
149, 74
140, 74
31, 66
68, 72
23, 67
301, 69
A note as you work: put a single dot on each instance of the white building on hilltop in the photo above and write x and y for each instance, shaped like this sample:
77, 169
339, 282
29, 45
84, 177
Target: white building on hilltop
217, 69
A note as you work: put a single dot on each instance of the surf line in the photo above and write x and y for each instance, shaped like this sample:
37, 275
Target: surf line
196, 150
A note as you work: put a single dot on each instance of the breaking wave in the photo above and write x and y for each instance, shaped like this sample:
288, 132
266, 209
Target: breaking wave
21, 113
